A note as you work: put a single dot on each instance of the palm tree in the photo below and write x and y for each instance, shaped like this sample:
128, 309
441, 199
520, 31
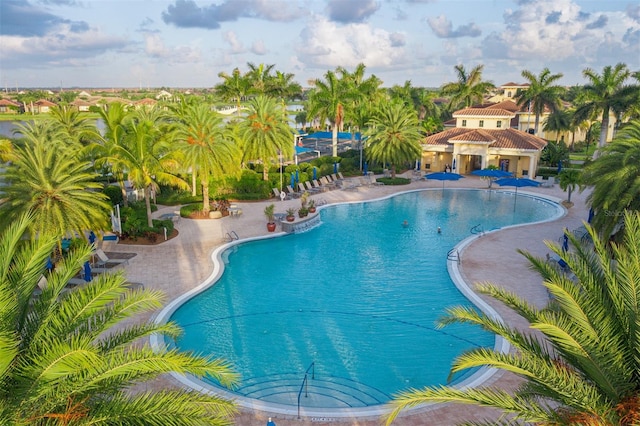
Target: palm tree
114, 118
146, 153
54, 185
327, 101
207, 145
604, 94
540, 94
76, 128
394, 135
559, 121
260, 78
581, 367
469, 89
264, 133
615, 178
282, 86
235, 87
569, 181
67, 358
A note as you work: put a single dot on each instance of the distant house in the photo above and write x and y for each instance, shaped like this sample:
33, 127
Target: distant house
81, 105
8, 106
483, 136
163, 95
145, 103
41, 106
84, 94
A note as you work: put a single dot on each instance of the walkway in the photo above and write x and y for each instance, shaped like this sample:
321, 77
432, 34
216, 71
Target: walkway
184, 262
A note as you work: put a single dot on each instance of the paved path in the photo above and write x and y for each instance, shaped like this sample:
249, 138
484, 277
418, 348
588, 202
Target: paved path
182, 263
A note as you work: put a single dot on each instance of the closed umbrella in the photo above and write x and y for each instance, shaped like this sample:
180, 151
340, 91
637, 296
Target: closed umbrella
559, 166
565, 242
87, 272
443, 176
315, 174
297, 176
293, 180
591, 213
518, 183
335, 167
453, 167
365, 169
49, 264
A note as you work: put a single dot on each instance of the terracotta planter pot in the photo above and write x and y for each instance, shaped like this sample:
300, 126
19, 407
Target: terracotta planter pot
312, 209
291, 218
271, 226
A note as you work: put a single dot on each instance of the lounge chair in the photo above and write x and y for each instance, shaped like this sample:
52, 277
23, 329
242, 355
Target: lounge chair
292, 193
103, 259
319, 187
301, 187
279, 194
311, 188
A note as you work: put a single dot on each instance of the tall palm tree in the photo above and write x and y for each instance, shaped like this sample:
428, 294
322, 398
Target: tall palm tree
394, 135
469, 89
58, 188
260, 78
559, 121
327, 102
66, 358
581, 367
615, 178
148, 155
540, 94
114, 116
605, 93
234, 87
207, 145
282, 86
265, 133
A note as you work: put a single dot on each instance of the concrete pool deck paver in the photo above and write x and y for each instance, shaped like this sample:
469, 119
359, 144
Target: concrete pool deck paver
179, 265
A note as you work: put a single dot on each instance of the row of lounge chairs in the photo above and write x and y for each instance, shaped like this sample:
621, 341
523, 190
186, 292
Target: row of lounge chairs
326, 183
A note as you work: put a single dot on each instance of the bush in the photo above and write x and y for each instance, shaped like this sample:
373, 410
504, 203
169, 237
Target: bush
394, 181
172, 197
114, 193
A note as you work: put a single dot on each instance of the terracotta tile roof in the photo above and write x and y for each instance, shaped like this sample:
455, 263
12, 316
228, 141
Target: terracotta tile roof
146, 101
9, 102
44, 102
507, 105
504, 138
512, 84
475, 135
483, 112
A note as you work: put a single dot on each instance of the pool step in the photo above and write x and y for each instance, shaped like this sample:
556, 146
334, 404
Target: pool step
324, 391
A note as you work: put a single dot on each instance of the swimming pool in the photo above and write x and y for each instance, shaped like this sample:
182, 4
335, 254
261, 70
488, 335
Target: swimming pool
357, 298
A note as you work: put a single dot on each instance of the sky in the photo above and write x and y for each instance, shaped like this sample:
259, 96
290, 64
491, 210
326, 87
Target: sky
187, 43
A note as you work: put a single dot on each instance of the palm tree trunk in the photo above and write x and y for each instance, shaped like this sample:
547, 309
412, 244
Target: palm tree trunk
194, 181
265, 171
334, 139
147, 202
205, 198
393, 171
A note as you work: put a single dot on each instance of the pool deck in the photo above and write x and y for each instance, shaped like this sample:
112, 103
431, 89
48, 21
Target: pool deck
184, 262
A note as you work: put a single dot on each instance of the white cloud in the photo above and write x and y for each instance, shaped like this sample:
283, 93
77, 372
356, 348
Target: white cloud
325, 44
232, 40
258, 47
156, 48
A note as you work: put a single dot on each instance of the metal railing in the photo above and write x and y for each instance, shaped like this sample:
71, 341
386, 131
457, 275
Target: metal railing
305, 383
232, 236
477, 229
453, 254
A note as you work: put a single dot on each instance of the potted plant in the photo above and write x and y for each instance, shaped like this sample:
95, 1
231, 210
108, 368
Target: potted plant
303, 212
303, 199
312, 206
291, 214
271, 218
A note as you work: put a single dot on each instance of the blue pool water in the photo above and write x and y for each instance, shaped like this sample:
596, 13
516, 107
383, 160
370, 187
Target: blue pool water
359, 296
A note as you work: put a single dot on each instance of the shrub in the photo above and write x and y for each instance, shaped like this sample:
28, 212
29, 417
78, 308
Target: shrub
394, 181
114, 193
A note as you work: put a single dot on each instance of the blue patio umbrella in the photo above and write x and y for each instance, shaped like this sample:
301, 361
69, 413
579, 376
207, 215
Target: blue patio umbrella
443, 176
315, 174
518, 183
87, 272
49, 264
293, 180
559, 166
365, 169
591, 214
492, 174
297, 176
565, 242
453, 167
335, 167
92, 239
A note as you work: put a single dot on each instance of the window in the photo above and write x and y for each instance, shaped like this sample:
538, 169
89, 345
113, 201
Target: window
499, 124
464, 123
481, 123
